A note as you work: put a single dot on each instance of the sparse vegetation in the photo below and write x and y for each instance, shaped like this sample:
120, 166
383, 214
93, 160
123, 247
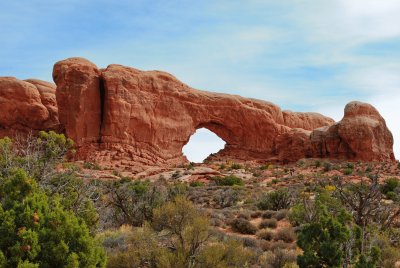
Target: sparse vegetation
230, 180
246, 216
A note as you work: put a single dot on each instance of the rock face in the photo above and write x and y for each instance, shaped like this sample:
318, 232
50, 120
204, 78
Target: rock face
147, 117
79, 99
126, 118
362, 134
27, 106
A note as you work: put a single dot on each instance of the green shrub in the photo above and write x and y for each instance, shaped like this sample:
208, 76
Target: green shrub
347, 171
390, 185
264, 167
327, 166
35, 229
176, 174
236, 166
350, 165
276, 200
196, 184
391, 196
90, 165
230, 180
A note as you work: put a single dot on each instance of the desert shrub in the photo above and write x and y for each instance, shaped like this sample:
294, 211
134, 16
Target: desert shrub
268, 223
281, 258
255, 214
347, 171
228, 254
226, 198
276, 200
91, 165
190, 166
37, 156
322, 241
281, 214
176, 174
196, 184
265, 234
236, 166
368, 169
327, 166
317, 163
244, 215
36, 229
285, 234
281, 245
132, 202
390, 185
264, 167
250, 242
243, 226
230, 180
391, 196
268, 214
350, 165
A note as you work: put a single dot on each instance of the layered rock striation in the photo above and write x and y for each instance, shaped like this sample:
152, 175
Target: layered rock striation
129, 118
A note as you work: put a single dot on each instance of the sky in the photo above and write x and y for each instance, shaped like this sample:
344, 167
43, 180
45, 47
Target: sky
303, 55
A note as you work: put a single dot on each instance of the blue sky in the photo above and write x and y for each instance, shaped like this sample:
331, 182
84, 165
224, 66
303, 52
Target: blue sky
303, 55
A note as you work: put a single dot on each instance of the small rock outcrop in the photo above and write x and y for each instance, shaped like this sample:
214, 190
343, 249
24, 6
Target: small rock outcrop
27, 106
362, 134
126, 118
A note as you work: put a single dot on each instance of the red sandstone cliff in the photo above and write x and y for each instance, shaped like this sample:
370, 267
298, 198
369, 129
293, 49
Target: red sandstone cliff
131, 118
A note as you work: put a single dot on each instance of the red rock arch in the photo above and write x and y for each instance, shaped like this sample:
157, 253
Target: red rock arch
131, 117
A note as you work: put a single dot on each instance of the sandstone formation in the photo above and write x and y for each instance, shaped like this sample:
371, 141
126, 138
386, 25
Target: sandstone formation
79, 99
27, 106
147, 117
126, 118
362, 134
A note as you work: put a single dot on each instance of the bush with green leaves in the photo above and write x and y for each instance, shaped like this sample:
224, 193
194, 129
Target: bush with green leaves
390, 185
230, 180
276, 200
37, 230
347, 171
236, 166
38, 156
322, 242
132, 202
177, 236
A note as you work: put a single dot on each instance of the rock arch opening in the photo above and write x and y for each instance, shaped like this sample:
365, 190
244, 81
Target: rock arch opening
201, 144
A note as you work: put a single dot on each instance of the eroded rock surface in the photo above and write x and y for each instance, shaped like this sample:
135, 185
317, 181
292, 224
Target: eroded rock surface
27, 106
125, 118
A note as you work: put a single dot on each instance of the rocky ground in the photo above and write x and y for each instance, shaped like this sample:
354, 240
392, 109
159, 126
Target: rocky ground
235, 209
